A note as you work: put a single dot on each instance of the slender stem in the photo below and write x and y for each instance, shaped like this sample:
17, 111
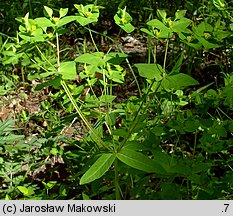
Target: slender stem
44, 58
68, 93
195, 143
165, 58
134, 76
58, 52
130, 68
155, 52
30, 7
149, 49
93, 41
135, 121
116, 181
78, 110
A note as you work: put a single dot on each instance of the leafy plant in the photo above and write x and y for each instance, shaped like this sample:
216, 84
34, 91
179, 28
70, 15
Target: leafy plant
173, 137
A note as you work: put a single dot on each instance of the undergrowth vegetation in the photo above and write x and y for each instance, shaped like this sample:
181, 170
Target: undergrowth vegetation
82, 117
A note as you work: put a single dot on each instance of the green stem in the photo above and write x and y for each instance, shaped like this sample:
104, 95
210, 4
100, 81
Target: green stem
165, 58
93, 41
135, 121
58, 51
78, 110
149, 49
116, 181
130, 68
134, 76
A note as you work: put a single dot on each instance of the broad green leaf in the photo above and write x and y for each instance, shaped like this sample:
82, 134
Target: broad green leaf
85, 21
121, 132
116, 58
127, 27
63, 12
92, 58
180, 14
43, 22
162, 15
123, 19
157, 24
150, 71
147, 31
87, 14
201, 28
98, 169
207, 44
107, 98
39, 38
135, 145
194, 45
49, 185
198, 167
139, 161
25, 191
48, 11
219, 35
178, 81
68, 70
181, 25
66, 20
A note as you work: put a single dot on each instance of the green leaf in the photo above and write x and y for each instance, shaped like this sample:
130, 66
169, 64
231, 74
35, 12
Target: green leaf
68, 70
157, 24
43, 22
231, 26
128, 28
220, 4
178, 81
107, 98
87, 14
85, 196
147, 31
123, 19
162, 15
207, 44
25, 191
176, 68
170, 191
139, 161
26, 20
66, 20
48, 11
92, 58
180, 14
63, 12
49, 185
98, 169
116, 58
7, 197
181, 25
150, 71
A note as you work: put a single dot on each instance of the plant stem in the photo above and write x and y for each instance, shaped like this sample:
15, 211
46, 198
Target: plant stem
93, 41
116, 181
135, 120
149, 49
165, 58
78, 110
